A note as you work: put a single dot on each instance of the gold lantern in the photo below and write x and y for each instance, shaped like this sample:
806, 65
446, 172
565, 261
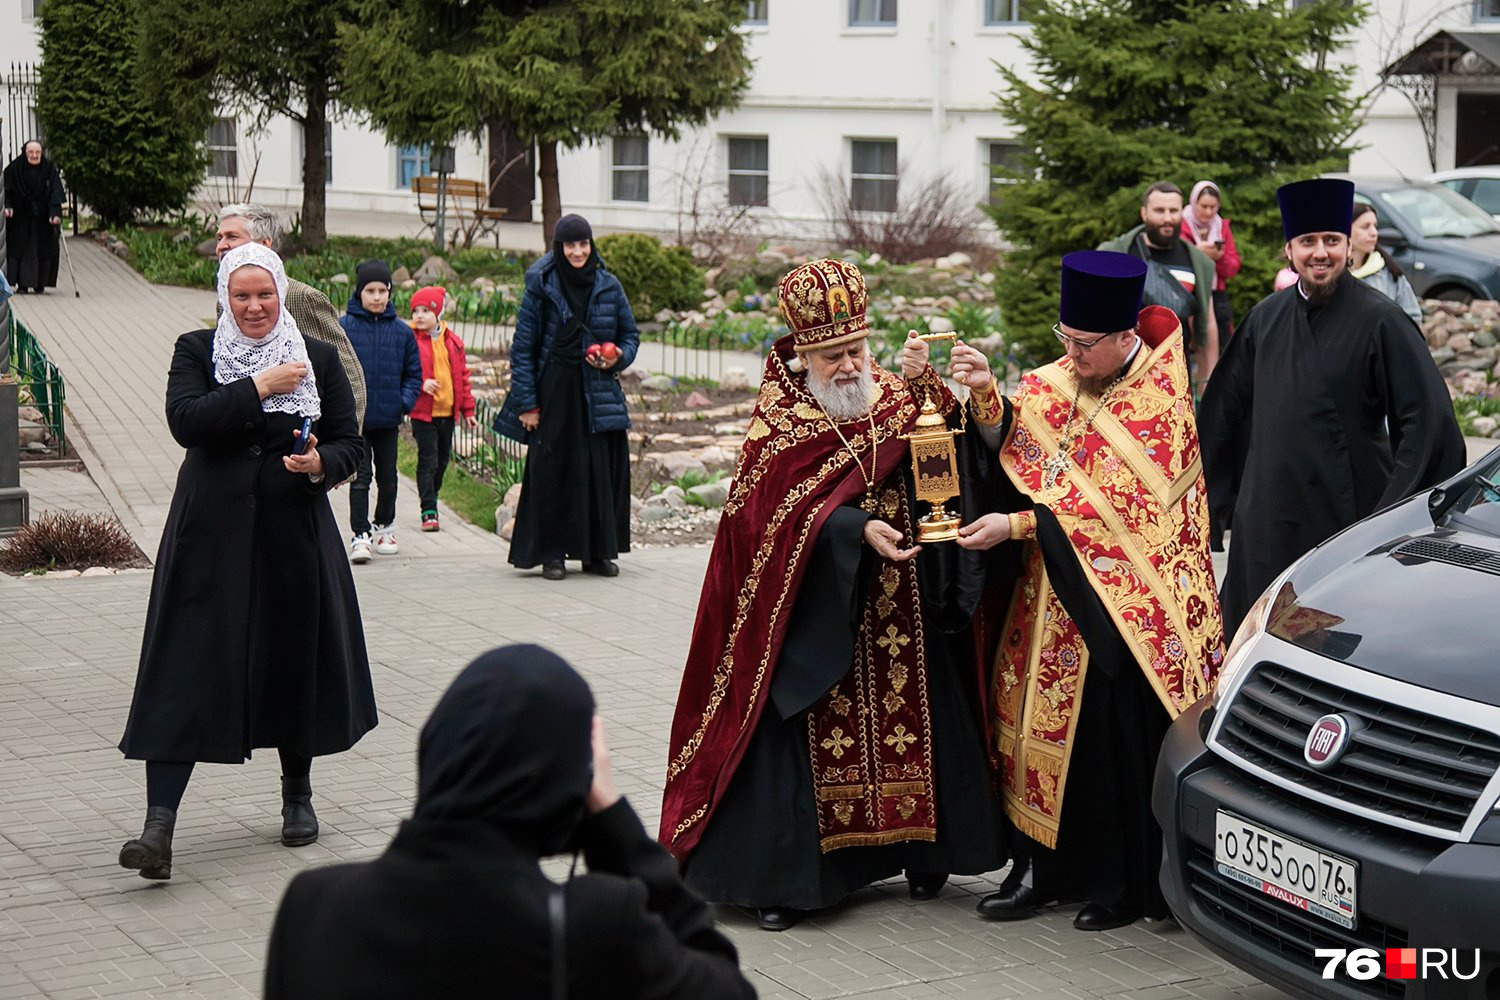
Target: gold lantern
934, 467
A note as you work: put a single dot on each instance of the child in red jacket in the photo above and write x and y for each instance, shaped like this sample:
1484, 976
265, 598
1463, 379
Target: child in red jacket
445, 396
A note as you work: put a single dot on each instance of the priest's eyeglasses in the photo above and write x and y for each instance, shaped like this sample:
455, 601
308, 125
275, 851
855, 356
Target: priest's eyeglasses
1082, 345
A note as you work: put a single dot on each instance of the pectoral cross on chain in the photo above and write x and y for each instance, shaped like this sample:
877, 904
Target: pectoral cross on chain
1055, 467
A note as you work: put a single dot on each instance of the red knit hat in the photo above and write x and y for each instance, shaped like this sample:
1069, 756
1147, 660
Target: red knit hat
432, 297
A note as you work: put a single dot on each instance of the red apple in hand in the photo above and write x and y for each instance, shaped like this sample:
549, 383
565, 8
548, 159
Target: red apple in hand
591, 353
609, 352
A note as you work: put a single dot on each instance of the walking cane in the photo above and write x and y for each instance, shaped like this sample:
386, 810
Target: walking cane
63, 239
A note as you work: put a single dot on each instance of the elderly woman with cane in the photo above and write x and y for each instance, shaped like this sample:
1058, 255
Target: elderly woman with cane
253, 636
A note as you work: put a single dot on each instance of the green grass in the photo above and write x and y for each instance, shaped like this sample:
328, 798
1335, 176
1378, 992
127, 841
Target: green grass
1466, 408
471, 499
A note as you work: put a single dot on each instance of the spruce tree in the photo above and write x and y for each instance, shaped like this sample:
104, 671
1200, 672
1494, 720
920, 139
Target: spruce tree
1124, 93
121, 154
561, 73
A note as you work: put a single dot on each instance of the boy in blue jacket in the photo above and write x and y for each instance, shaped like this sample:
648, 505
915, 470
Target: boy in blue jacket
387, 352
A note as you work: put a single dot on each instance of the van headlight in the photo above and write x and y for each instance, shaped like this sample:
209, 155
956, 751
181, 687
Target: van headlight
1252, 628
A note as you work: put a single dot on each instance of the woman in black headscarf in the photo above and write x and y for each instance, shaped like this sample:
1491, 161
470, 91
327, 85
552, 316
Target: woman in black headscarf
511, 767
574, 335
33, 213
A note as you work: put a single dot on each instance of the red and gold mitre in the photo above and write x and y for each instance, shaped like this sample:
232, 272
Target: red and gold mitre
823, 303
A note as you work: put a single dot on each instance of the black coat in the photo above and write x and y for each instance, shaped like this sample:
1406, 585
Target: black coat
253, 636
1316, 417
34, 196
457, 909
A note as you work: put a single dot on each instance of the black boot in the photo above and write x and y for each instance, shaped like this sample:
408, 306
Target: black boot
299, 824
151, 852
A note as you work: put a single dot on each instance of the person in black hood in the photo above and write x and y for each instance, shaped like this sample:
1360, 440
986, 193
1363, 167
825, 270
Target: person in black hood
574, 335
512, 767
33, 213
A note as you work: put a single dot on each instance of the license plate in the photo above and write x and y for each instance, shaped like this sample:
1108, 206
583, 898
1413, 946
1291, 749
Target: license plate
1287, 869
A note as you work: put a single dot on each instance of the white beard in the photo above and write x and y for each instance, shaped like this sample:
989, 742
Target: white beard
843, 403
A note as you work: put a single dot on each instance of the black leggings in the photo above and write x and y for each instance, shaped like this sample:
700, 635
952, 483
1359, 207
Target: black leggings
166, 780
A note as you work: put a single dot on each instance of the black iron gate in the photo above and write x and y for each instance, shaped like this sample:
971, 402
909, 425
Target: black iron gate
20, 123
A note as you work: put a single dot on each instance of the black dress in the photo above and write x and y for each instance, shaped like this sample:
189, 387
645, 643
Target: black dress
34, 196
575, 492
253, 635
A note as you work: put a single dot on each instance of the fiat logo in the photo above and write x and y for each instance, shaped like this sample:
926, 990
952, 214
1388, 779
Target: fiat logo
1326, 742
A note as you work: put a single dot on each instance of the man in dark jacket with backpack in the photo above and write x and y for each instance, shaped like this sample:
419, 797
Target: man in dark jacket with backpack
1179, 275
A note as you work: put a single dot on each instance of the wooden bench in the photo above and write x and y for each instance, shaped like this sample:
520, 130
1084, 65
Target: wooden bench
467, 208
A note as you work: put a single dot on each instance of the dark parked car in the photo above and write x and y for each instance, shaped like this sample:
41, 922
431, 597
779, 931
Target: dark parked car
1332, 812
1448, 246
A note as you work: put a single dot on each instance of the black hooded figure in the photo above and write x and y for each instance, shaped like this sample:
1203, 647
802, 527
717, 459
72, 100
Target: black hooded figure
33, 209
566, 405
458, 905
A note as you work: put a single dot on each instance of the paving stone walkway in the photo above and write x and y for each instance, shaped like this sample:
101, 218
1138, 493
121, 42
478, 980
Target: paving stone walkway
74, 925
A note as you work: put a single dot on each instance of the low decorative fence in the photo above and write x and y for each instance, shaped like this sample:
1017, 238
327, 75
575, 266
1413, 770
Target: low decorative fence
40, 380
484, 319
485, 454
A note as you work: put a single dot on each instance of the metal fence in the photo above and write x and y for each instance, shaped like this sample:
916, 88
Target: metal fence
40, 380
20, 122
485, 454
485, 321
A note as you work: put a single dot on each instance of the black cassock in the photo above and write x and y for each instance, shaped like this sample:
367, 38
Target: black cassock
1314, 418
761, 846
34, 196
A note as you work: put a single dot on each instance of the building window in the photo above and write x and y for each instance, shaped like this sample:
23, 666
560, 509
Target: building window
223, 149
327, 153
1005, 11
873, 175
749, 170
1487, 10
1002, 154
872, 13
755, 11
30, 9
412, 161
630, 168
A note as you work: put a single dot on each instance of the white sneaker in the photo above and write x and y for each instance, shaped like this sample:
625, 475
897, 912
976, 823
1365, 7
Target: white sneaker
385, 540
359, 549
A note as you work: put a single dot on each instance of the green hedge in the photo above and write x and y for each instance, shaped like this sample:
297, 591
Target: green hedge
654, 277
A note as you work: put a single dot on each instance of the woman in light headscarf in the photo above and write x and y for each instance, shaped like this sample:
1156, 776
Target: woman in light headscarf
1205, 228
253, 637
511, 767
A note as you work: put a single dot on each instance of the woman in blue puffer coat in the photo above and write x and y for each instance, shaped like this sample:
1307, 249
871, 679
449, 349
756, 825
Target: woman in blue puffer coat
574, 336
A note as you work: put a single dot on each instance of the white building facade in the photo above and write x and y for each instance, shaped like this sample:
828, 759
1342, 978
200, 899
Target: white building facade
858, 90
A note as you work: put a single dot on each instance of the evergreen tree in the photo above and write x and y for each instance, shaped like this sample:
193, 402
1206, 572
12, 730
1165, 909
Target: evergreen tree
1129, 92
561, 73
266, 57
121, 154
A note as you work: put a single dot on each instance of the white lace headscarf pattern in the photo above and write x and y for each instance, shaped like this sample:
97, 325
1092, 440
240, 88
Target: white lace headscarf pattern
237, 356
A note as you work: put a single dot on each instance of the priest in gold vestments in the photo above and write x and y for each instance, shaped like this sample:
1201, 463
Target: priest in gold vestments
1114, 628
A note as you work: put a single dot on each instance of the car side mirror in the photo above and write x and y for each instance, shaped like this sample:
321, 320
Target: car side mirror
1393, 238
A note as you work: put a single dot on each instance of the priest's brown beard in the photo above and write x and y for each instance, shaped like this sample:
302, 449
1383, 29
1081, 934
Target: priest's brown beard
1096, 385
1319, 295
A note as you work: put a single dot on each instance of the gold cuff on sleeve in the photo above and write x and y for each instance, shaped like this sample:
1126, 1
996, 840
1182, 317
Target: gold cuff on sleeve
988, 409
1023, 525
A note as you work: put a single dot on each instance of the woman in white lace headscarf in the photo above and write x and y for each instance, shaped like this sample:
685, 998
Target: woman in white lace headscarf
253, 637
